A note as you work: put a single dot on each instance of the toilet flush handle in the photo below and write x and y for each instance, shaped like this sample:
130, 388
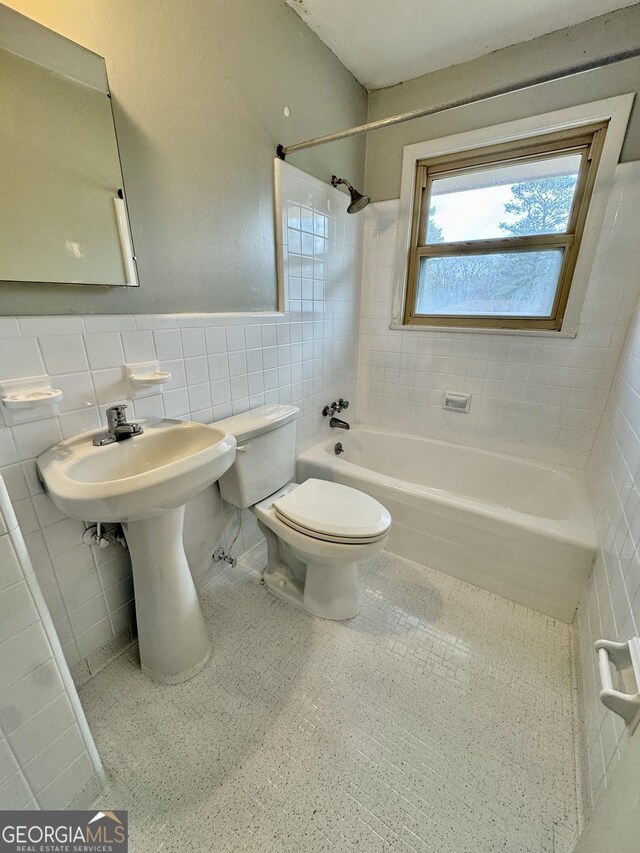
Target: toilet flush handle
242, 448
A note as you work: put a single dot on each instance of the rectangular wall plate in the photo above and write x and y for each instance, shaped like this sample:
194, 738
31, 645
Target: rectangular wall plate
454, 401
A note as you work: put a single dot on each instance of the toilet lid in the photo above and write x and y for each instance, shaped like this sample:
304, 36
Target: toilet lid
328, 509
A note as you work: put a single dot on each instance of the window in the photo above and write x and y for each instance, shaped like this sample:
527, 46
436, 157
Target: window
496, 231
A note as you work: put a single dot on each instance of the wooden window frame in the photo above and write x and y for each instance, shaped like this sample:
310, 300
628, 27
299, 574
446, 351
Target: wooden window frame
588, 141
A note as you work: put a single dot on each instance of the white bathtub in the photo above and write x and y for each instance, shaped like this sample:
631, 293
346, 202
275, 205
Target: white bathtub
520, 529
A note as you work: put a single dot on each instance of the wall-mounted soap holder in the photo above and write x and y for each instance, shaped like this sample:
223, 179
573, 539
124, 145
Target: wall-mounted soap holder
456, 401
625, 657
21, 396
145, 376
147, 373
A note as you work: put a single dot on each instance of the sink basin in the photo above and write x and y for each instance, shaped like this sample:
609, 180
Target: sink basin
143, 482
138, 478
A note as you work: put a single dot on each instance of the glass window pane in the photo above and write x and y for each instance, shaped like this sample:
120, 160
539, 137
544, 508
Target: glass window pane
509, 284
513, 200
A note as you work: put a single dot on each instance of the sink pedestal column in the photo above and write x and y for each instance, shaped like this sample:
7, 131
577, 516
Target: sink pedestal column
174, 643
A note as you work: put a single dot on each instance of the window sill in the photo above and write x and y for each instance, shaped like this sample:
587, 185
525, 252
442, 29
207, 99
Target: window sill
467, 330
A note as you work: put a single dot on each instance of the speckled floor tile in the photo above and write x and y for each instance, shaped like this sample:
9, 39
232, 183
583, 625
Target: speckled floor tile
440, 720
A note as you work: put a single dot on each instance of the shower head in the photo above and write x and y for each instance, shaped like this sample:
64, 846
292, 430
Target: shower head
358, 201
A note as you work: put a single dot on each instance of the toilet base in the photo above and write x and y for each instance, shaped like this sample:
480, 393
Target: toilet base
326, 589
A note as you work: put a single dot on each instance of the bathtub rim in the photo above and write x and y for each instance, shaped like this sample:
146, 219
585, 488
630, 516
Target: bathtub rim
577, 529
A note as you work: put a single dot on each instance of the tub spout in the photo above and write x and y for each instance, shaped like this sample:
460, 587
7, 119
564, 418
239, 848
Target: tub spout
338, 424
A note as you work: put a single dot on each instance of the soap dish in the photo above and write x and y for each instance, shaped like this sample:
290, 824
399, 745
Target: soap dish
147, 373
157, 377
145, 378
29, 392
32, 399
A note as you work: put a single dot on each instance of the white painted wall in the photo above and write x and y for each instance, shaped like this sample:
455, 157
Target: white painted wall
534, 397
221, 364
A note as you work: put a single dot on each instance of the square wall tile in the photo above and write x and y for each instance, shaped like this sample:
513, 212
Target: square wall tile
63, 354
104, 349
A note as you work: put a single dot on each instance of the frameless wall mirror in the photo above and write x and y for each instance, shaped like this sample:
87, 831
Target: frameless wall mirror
63, 216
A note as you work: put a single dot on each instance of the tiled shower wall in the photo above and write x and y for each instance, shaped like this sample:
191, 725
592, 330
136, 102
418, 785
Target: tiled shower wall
220, 365
532, 396
543, 399
611, 607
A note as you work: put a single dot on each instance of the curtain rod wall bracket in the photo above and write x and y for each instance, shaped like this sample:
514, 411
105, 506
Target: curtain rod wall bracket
280, 152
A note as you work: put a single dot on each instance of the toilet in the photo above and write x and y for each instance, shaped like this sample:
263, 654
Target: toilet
317, 531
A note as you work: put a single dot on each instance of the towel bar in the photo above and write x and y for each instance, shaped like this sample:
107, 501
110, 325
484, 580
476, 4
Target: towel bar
626, 659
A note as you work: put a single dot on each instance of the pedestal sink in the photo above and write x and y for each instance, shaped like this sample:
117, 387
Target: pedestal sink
143, 482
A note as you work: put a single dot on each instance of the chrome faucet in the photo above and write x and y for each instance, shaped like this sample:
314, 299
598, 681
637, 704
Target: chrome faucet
117, 427
335, 407
338, 424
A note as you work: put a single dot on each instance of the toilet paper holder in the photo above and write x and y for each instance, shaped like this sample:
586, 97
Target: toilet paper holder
625, 657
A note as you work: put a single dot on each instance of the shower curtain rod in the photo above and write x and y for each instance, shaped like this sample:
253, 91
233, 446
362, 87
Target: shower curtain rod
570, 71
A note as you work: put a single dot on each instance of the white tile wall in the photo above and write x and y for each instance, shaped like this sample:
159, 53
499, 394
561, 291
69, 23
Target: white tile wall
47, 755
541, 399
221, 364
532, 396
611, 607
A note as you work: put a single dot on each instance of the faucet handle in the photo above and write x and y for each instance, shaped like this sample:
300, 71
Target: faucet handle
335, 407
115, 414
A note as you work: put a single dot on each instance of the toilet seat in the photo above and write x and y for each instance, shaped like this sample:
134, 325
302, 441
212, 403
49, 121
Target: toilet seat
327, 537
333, 513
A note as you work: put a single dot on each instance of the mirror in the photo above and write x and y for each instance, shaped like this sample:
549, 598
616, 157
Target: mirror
63, 217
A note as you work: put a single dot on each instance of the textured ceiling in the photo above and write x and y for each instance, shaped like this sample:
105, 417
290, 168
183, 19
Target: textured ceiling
383, 42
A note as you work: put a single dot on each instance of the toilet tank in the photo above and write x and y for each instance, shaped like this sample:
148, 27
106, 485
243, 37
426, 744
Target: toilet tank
265, 455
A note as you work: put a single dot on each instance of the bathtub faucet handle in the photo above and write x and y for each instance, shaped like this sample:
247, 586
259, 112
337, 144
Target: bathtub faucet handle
338, 449
335, 407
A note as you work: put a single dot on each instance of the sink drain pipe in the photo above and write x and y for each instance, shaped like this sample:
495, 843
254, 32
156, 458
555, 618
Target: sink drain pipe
220, 554
101, 535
